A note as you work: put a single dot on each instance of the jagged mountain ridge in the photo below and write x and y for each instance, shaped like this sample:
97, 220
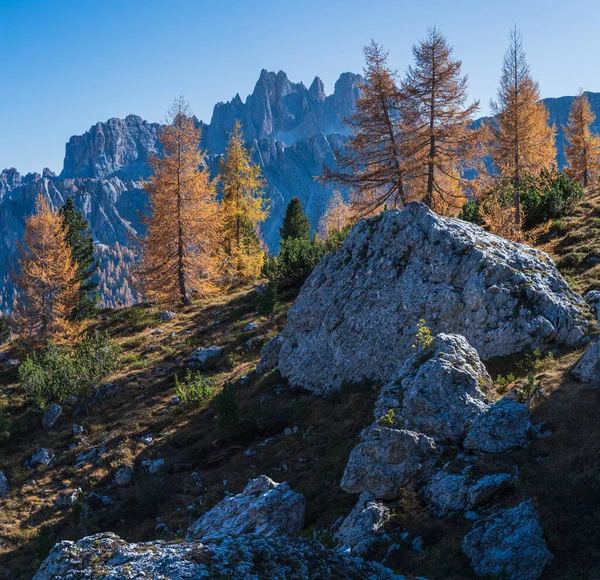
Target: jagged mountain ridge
292, 130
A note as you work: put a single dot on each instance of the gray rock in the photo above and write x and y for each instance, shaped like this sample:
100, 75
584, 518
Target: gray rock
363, 525
509, 544
269, 355
205, 357
504, 426
67, 498
264, 507
90, 457
245, 557
486, 487
587, 369
166, 315
387, 460
4, 486
157, 331
124, 476
254, 342
438, 391
42, 456
446, 493
77, 429
152, 466
356, 316
51, 416
250, 327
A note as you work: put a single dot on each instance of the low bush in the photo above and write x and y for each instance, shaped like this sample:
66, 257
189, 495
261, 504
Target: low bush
58, 372
226, 408
194, 389
267, 300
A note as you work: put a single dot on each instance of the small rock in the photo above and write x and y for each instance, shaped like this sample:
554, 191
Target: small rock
417, 544
172, 334
67, 497
269, 355
51, 416
4, 487
13, 362
487, 486
587, 369
509, 544
157, 331
205, 357
254, 342
175, 400
71, 400
77, 429
166, 315
92, 456
124, 476
250, 327
147, 439
152, 466
42, 457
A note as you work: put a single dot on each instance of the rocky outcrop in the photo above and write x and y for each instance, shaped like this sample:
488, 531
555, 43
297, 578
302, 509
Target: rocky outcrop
506, 425
508, 544
587, 369
269, 355
109, 557
438, 391
363, 526
264, 507
356, 316
387, 460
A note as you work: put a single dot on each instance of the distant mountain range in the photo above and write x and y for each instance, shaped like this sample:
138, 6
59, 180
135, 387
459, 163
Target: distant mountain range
292, 130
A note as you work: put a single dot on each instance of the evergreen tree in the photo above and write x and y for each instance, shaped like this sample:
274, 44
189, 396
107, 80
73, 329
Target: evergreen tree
79, 238
243, 207
295, 223
521, 141
48, 288
180, 251
438, 142
582, 149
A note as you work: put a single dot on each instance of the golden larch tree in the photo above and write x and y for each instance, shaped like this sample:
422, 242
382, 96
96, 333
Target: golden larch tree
47, 286
243, 207
521, 140
180, 251
371, 164
337, 216
582, 147
439, 143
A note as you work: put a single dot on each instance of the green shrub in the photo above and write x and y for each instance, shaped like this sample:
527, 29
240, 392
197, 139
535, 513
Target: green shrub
470, 212
296, 260
5, 331
194, 389
387, 420
529, 391
57, 372
423, 338
502, 382
267, 301
140, 317
226, 408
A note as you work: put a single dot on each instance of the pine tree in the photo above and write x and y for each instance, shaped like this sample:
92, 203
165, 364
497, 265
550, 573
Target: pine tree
243, 207
48, 288
582, 148
521, 141
371, 165
438, 141
80, 240
336, 218
179, 254
295, 223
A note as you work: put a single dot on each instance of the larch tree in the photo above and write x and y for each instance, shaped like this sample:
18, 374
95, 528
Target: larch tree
79, 238
243, 207
582, 148
371, 165
336, 218
439, 143
521, 140
47, 284
180, 251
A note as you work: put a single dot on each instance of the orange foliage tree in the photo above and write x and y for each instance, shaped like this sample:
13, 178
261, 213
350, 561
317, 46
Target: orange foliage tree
47, 287
337, 216
582, 149
180, 252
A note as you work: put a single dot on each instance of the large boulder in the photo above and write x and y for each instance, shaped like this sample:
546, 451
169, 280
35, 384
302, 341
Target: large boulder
264, 507
438, 391
363, 525
108, 556
386, 460
508, 544
356, 315
588, 367
505, 425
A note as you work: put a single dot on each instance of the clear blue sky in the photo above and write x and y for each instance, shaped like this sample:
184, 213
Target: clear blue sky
66, 64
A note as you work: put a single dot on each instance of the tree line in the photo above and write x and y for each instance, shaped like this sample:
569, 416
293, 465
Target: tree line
415, 138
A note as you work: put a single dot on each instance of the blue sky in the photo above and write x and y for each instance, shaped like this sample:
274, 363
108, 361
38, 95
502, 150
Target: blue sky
66, 64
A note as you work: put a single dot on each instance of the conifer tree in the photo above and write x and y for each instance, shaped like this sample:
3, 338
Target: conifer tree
80, 240
438, 142
243, 207
521, 141
336, 218
179, 254
295, 222
371, 165
47, 284
582, 148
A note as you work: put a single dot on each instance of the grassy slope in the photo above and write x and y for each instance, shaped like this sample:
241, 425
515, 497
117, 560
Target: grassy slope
560, 472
